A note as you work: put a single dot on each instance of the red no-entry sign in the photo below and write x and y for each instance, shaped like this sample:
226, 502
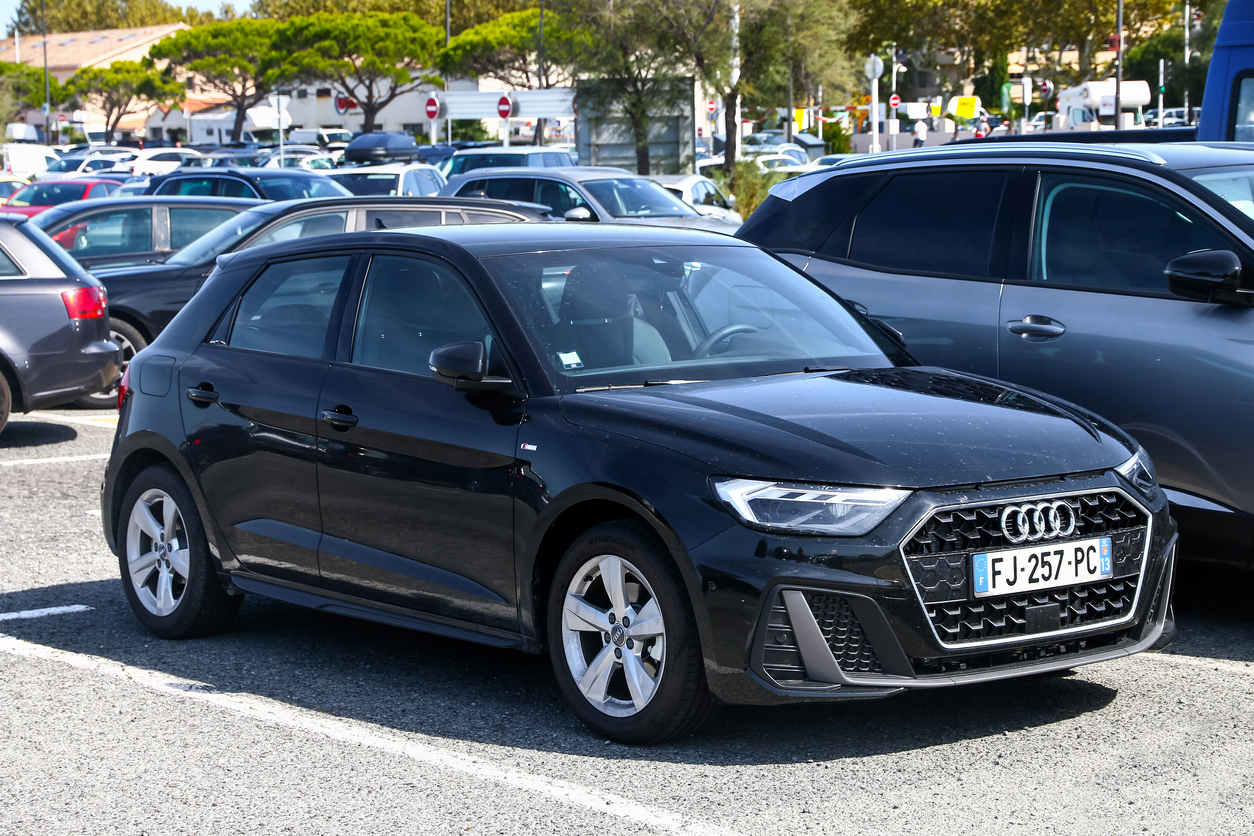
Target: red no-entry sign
711, 106
433, 107
505, 107
894, 101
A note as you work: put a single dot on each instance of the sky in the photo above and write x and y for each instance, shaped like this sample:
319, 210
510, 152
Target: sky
8, 8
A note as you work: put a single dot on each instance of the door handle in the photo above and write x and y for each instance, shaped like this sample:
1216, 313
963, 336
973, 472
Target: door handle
342, 421
1035, 327
202, 396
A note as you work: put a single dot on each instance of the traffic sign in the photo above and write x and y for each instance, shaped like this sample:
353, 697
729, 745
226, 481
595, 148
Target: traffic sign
894, 101
874, 67
1047, 89
711, 106
505, 107
433, 107
344, 104
60, 117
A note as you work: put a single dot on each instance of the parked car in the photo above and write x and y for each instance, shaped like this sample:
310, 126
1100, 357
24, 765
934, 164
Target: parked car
136, 230
24, 159
702, 194
664, 457
54, 324
309, 162
321, 137
586, 194
243, 159
264, 183
8, 185
37, 197
407, 179
1075, 269
148, 162
470, 159
144, 298
69, 168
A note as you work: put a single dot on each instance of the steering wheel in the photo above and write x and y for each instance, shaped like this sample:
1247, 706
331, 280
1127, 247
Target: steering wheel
716, 337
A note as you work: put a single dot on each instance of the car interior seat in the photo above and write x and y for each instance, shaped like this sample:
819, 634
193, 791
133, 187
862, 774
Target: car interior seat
604, 323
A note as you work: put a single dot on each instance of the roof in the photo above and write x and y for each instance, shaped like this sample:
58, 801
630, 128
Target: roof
512, 149
75, 50
510, 239
576, 173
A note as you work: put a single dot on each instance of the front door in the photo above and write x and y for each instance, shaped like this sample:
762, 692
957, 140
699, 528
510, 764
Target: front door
1095, 323
251, 393
416, 479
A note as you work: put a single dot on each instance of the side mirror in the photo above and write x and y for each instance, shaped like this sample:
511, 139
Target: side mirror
1209, 276
464, 366
730, 202
579, 213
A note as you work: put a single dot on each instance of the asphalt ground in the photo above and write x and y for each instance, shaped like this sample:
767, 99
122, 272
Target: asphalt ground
296, 721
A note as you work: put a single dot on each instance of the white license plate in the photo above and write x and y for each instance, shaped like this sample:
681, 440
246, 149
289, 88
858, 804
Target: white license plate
1041, 566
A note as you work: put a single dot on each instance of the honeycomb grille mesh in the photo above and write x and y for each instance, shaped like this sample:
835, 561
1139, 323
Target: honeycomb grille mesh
840, 628
992, 618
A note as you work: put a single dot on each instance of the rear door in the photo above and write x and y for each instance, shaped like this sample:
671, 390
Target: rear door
1093, 321
925, 253
251, 394
105, 237
416, 479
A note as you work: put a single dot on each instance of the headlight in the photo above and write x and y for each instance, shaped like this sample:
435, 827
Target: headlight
809, 509
1139, 470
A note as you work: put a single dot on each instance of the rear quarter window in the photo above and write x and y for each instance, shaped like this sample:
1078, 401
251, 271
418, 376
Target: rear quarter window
804, 223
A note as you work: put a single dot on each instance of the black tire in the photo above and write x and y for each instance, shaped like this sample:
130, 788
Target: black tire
680, 700
197, 604
132, 343
6, 402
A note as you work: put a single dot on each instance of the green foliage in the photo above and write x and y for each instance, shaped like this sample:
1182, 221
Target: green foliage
237, 58
988, 83
750, 185
89, 15
471, 130
507, 49
1141, 62
22, 86
370, 58
465, 13
122, 88
837, 138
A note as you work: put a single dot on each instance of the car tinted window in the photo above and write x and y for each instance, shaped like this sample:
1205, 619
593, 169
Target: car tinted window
636, 197
8, 187
473, 217
501, 188
188, 223
470, 162
410, 308
102, 190
106, 233
287, 310
7, 266
292, 188
306, 226
192, 186
1112, 234
47, 194
366, 184
221, 239
808, 220
559, 197
398, 218
230, 187
907, 226
167, 157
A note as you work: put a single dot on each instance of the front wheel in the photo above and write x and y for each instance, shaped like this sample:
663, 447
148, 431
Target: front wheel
623, 638
167, 571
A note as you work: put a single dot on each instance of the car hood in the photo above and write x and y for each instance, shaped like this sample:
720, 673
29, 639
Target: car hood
139, 271
902, 427
709, 224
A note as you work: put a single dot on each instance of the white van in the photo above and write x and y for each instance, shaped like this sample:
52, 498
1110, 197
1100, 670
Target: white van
322, 137
25, 159
1080, 107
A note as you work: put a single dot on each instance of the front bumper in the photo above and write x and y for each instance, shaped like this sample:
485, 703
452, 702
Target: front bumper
822, 618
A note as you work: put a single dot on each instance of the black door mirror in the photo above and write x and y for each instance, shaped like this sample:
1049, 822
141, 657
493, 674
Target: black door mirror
464, 366
1209, 276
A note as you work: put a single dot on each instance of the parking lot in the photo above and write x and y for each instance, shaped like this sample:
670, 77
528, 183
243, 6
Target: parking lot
298, 721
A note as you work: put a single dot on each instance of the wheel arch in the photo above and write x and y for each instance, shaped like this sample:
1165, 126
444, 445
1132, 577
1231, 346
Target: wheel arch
16, 394
136, 321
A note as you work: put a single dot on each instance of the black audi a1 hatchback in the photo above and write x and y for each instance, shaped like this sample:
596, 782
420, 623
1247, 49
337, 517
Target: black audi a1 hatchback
664, 457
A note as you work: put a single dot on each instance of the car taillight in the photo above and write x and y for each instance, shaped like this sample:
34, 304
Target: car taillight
124, 388
86, 303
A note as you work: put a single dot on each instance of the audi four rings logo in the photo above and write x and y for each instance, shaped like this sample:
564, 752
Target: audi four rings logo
1038, 521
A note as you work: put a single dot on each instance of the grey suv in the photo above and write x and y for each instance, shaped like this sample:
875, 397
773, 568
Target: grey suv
1117, 277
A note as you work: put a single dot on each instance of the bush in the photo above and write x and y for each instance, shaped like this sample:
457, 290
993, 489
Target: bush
749, 184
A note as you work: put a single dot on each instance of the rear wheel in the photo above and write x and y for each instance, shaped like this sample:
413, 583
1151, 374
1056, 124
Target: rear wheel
167, 571
623, 638
132, 342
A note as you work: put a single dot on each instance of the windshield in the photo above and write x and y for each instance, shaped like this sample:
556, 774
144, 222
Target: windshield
220, 239
634, 315
635, 197
47, 194
291, 188
67, 164
1234, 184
338, 136
368, 184
469, 162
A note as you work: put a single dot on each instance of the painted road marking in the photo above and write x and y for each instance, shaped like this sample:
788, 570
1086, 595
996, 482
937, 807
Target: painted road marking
24, 614
377, 737
108, 420
88, 457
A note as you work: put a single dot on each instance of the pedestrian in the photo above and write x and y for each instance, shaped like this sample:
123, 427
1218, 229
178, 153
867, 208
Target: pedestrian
920, 133
982, 130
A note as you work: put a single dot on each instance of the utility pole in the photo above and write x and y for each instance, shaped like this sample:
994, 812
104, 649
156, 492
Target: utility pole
735, 81
1188, 24
43, 13
892, 138
1119, 66
538, 139
448, 36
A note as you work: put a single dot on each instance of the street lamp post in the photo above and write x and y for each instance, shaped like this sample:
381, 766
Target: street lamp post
1188, 24
43, 13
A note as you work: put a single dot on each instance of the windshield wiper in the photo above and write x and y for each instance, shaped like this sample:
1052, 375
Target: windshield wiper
809, 370
608, 386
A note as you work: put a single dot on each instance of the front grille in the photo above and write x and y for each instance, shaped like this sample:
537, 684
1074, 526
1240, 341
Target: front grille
841, 630
938, 558
991, 660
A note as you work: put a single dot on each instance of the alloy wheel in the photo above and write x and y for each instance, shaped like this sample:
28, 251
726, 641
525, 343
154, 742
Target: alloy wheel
157, 556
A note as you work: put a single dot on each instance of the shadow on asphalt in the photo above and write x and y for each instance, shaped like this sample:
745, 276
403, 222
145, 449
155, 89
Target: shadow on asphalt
24, 433
432, 685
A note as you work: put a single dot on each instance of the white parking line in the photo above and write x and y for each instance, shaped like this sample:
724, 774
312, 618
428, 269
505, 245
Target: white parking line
15, 616
372, 736
106, 420
87, 457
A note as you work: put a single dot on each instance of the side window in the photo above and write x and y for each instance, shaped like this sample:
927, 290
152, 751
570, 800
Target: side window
166, 157
411, 307
230, 187
504, 188
1243, 117
409, 185
106, 233
902, 229
187, 224
8, 267
473, 217
1112, 234
96, 165
552, 158
195, 186
101, 190
807, 221
306, 226
560, 197
287, 310
399, 218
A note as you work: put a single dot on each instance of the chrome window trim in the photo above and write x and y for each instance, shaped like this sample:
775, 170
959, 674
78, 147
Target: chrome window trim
1031, 638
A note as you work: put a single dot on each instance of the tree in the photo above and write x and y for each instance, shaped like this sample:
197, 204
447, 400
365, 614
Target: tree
507, 49
91, 15
465, 13
237, 58
370, 58
122, 88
